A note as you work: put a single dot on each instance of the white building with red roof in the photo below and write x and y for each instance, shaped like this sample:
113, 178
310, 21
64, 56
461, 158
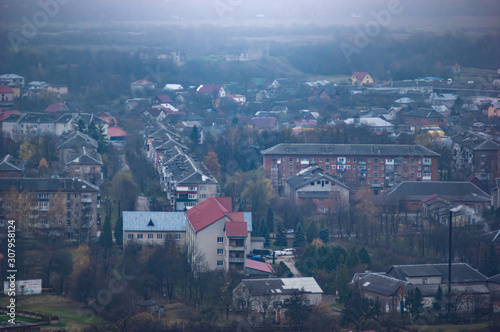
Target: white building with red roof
216, 237
6, 95
360, 78
215, 90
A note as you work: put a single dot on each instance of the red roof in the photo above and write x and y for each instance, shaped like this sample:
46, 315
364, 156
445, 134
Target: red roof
259, 266
207, 212
116, 132
209, 88
428, 198
164, 99
5, 89
236, 228
109, 119
54, 108
4, 115
359, 75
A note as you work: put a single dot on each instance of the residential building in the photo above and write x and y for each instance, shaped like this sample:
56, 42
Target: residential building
71, 143
162, 99
475, 154
11, 167
154, 228
410, 194
6, 96
316, 186
56, 108
256, 269
274, 294
375, 123
213, 90
262, 123
377, 166
86, 164
404, 87
58, 207
494, 110
140, 88
389, 291
61, 90
360, 78
423, 117
12, 79
16, 126
216, 237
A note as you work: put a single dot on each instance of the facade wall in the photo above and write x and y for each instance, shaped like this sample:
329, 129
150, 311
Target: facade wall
355, 170
153, 238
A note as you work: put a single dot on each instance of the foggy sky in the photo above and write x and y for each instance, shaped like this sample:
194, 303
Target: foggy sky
227, 10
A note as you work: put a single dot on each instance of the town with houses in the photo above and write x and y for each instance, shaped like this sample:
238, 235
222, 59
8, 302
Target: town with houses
424, 157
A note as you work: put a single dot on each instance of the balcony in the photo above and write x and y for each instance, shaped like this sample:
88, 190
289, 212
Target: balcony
235, 248
236, 259
86, 199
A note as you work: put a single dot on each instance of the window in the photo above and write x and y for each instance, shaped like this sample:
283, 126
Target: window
220, 263
412, 169
314, 160
369, 167
327, 160
312, 183
375, 168
327, 167
412, 176
203, 196
191, 196
203, 187
150, 236
220, 251
369, 160
354, 167
290, 168
297, 166
290, 160
297, 160
139, 236
375, 161
412, 161
131, 236
220, 239
348, 166
318, 182
348, 159
419, 175
177, 237
159, 236
375, 175
320, 160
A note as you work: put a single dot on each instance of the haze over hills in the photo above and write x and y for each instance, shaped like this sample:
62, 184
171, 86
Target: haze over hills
71, 11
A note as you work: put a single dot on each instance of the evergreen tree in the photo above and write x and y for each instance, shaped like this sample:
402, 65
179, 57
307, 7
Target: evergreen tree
492, 262
195, 135
437, 303
106, 238
119, 231
299, 236
281, 240
324, 235
352, 258
264, 232
413, 302
364, 257
312, 232
270, 220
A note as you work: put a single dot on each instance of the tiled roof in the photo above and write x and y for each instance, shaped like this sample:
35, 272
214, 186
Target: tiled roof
5, 89
5, 114
259, 266
383, 150
116, 132
49, 185
86, 157
455, 191
310, 174
381, 284
154, 221
11, 164
54, 108
475, 141
236, 228
206, 213
359, 75
460, 272
76, 139
425, 113
280, 286
164, 99
209, 88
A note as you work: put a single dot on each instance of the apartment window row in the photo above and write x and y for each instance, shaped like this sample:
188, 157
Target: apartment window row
151, 236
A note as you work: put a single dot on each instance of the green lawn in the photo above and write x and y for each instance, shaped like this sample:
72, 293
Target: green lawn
4, 318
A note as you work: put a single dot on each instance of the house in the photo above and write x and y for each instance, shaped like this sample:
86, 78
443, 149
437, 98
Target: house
61, 90
12, 79
279, 82
313, 185
425, 117
70, 143
158, 114
59, 206
256, 84
162, 99
389, 291
6, 96
186, 129
446, 99
173, 87
494, 110
56, 108
154, 228
86, 164
375, 123
237, 98
116, 136
219, 235
360, 78
417, 87
34, 88
475, 153
382, 165
262, 123
274, 294
141, 88
111, 120
256, 269
18, 125
11, 167
411, 194
213, 90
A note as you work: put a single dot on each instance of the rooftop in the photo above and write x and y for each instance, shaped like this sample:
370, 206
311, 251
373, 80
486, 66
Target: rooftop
154, 221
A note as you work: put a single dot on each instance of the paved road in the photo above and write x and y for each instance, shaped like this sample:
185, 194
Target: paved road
142, 204
288, 260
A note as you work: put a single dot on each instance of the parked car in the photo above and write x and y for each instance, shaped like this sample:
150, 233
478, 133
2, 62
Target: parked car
290, 231
288, 252
278, 253
262, 252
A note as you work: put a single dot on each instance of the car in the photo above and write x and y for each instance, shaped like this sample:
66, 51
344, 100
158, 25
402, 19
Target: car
278, 253
289, 252
262, 252
290, 231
